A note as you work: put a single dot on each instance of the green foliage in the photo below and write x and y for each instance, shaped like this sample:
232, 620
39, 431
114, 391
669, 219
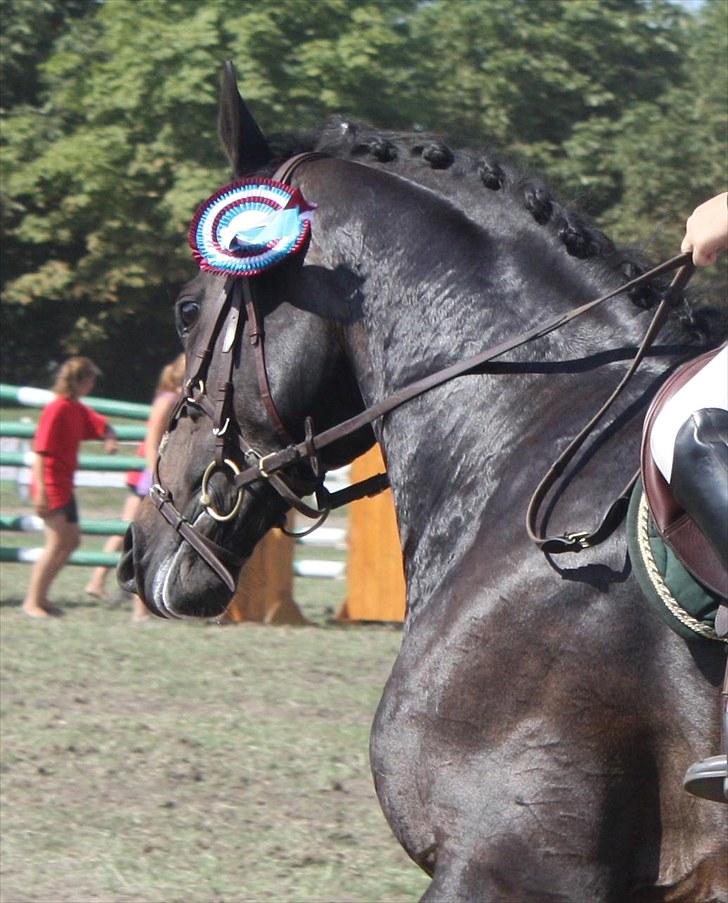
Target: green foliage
109, 140
29, 29
523, 74
678, 144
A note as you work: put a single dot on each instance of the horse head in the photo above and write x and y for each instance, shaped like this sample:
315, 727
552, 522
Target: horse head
245, 399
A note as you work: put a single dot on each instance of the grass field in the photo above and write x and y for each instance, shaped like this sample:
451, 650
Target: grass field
192, 762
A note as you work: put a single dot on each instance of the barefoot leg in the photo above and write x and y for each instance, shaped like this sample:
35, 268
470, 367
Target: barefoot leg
61, 538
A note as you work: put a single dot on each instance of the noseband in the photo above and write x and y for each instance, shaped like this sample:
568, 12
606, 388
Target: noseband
231, 446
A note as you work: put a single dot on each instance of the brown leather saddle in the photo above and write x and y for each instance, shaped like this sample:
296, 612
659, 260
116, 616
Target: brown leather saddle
678, 530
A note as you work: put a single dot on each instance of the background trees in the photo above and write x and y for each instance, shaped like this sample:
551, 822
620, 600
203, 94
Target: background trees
108, 134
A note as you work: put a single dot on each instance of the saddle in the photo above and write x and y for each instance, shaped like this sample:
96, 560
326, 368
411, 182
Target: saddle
675, 526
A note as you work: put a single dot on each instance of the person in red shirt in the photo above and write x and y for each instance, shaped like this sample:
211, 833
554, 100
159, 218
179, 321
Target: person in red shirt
63, 425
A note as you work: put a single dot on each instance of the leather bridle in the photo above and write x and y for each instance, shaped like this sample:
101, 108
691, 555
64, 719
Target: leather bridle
231, 446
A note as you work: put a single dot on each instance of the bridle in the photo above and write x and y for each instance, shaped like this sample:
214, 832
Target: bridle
274, 467
238, 294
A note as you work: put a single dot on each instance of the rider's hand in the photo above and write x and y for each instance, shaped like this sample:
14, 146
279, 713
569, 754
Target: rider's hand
706, 231
41, 504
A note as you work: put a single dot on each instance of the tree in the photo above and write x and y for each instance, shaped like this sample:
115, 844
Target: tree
102, 175
522, 75
672, 154
29, 29
108, 140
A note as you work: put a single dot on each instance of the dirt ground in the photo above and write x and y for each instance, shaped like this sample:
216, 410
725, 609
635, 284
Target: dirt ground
191, 762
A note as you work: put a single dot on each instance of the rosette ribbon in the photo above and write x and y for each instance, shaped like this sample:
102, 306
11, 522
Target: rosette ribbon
248, 227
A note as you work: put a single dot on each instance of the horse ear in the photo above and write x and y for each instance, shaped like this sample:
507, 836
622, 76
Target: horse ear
243, 141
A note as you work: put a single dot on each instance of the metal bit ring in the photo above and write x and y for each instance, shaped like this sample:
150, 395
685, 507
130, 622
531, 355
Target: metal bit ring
206, 500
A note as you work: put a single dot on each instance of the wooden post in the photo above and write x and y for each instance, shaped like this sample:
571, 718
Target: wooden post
375, 575
265, 586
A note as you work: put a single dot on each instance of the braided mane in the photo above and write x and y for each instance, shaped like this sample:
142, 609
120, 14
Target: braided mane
423, 158
459, 175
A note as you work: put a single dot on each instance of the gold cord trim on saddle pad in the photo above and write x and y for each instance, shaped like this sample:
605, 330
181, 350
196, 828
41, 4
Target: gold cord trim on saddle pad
657, 581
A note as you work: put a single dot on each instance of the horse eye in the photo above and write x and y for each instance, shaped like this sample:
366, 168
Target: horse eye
186, 313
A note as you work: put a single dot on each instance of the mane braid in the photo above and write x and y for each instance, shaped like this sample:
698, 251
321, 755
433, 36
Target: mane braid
415, 155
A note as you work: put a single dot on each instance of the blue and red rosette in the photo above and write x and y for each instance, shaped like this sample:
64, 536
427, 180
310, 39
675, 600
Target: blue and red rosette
248, 227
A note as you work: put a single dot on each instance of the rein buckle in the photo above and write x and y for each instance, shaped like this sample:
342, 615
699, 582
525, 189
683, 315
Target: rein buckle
262, 464
580, 540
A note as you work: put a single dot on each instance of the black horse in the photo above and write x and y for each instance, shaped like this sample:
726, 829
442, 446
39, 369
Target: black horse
532, 737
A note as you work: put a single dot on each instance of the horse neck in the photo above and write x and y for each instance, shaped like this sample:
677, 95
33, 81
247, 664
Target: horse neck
452, 289
455, 286
450, 274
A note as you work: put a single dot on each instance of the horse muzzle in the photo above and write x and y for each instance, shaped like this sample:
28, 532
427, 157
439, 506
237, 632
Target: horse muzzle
173, 582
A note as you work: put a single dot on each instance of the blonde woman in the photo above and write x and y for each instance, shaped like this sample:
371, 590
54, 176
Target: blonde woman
63, 425
138, 482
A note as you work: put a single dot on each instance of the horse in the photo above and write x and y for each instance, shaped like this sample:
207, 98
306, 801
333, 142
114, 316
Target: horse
531, 739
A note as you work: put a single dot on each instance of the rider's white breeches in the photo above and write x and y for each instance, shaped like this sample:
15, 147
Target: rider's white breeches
707, 389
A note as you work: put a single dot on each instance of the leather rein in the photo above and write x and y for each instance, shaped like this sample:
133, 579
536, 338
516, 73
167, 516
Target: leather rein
230, 445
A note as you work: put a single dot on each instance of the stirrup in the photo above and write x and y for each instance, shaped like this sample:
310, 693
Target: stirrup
708, 779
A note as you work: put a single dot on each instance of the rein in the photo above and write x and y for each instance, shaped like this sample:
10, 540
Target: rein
269, 467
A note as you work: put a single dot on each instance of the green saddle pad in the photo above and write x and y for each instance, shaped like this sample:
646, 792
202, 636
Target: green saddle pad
682, 602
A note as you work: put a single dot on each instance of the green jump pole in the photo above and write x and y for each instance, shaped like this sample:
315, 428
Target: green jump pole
86, 559
31, 523
85, 462
314, 568
19, 430
28, 396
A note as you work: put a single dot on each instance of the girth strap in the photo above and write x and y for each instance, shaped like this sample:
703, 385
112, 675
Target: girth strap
257, 340
208, 346
223, 414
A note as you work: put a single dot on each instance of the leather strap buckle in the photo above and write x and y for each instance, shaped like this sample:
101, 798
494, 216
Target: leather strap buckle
159, 495
262, 459
579, 540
